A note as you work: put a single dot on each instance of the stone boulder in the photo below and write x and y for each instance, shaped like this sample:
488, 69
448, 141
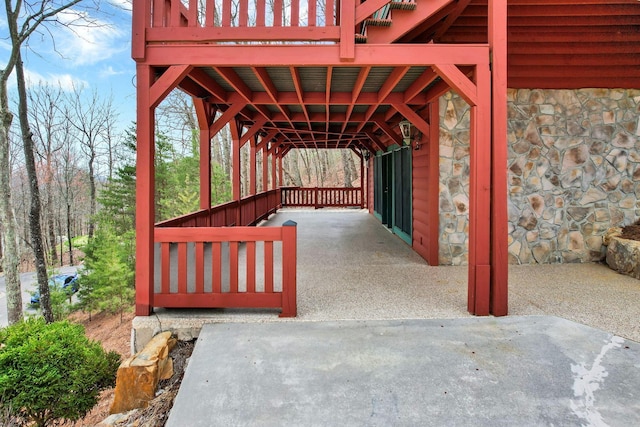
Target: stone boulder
623, 255
138, 376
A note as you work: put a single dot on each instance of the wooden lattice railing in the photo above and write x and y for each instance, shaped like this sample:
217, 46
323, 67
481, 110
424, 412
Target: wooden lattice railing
335, 197
229, 267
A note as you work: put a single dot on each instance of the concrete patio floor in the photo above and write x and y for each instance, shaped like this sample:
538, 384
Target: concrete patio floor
352, 267
382, 339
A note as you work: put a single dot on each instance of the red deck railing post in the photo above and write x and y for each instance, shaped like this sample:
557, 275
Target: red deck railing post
289, 265
347, 30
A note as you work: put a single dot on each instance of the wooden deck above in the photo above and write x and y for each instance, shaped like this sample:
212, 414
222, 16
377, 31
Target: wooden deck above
551, 43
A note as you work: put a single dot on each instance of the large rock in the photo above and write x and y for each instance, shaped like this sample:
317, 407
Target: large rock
623, 256
138, 376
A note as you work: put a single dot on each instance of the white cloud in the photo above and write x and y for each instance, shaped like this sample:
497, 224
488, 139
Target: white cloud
109, 71
122, 4
65, 81
86, 40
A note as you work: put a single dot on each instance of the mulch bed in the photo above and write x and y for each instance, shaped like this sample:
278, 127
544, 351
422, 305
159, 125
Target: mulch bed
631, 232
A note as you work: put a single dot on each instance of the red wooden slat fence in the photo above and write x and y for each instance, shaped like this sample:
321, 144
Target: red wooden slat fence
248, 20
247, 211
209, 246
179, 245
322, 197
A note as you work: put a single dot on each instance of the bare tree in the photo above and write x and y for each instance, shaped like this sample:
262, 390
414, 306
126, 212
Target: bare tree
67, 177
23, 19
90, 120
47, 122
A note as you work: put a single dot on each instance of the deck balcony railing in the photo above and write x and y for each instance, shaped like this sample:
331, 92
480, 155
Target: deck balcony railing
322, 197
216, 258
162, 22
238, 20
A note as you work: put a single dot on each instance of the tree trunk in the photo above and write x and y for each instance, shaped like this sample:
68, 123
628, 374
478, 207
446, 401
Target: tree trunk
348, 178
69, 241
34, 210
50, 218
92, 195
297, 178
10, 260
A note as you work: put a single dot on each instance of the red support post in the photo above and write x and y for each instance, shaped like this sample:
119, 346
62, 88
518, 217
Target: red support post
280, 171
252, 166
289, 266
499, 218
235, 160
433, 185
265, 168
362, 180
480, 197
205, 155
145, 174
274, 183
347, 30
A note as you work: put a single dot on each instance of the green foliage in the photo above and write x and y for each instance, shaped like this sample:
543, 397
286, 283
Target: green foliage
118, 200
60, 303
108, 280
51, 372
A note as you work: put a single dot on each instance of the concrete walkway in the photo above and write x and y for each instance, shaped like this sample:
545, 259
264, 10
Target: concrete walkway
512, 371
384, 339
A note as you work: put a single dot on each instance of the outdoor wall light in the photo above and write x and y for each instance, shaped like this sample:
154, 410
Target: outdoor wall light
405, 128
418, 138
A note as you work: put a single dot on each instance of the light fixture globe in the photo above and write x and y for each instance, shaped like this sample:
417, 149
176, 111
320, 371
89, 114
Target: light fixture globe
405, 128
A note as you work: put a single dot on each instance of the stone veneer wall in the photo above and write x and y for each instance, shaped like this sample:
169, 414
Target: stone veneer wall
574, 172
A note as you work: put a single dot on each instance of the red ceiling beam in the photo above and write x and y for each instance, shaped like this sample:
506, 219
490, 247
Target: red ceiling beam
168, 81
323, 55
200, 77
297, 83
226, 117
413, 117
458, 81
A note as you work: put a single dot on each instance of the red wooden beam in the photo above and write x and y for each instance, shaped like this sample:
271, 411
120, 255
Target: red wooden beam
297, 84
387, 130
236, 130
205, 117
347, 30
458, 81
226, 117
433, 185
145, 176
253, 130
413, 117
480, 198
425, 79
252, 167
200, 77
499, 187
323, 55
384, 91
166, 83
141, 21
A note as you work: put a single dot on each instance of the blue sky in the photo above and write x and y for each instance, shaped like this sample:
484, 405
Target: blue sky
96, 57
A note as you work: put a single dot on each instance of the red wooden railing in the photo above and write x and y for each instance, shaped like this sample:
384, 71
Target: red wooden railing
247, 211
215, 258
322, 197
200, 267
239, 20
